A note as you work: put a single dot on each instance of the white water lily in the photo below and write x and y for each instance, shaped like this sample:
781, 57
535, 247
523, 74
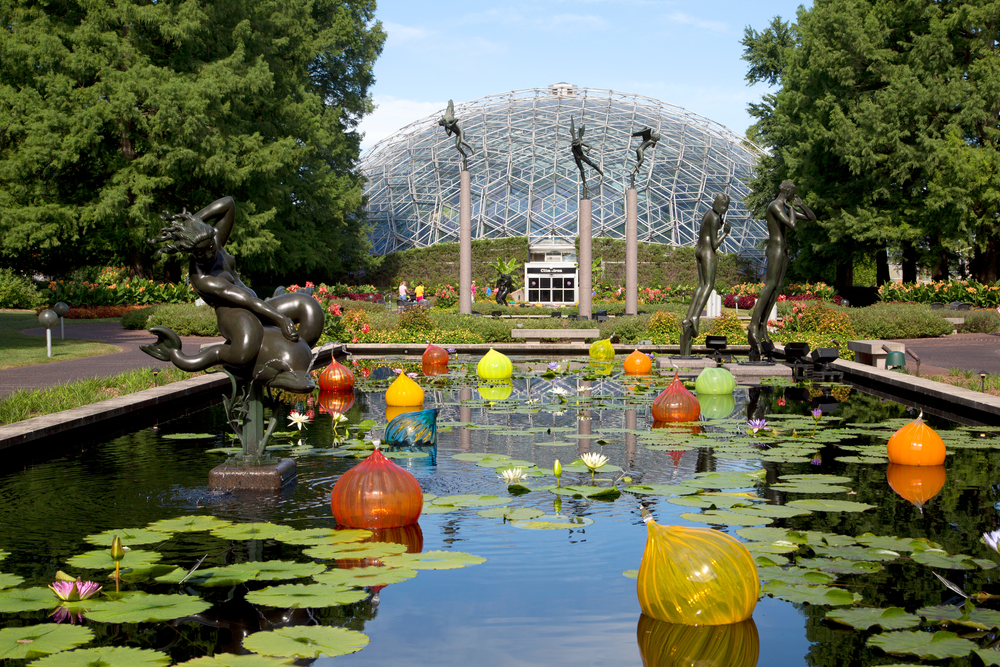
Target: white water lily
992, 540
337, 417
297, 419
558, 391
512, 475
593, 461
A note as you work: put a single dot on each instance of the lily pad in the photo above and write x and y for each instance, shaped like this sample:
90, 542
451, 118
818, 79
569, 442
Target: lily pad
249, 531
365, 576
724, 518
989, 656
129, 537
15, 600
434, 560
893, 543
511, 513
939, 558
892, 618
238, 573
188, 524
354, 550
721, 480
631, 574
305, 596
428, 508
772, 511
35, 641
924, 645
597, 492
233, 660
8, 580
187, 436
817, 505
317, 536
139, 607
816, 595
794, 575
105, 656
306, 641
101, 559
840, 565
857, 553
661, 489
554, 522
477, 456
816, 479
969, 616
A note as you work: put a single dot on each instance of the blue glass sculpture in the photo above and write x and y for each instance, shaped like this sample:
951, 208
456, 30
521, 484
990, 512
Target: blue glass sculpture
413, 429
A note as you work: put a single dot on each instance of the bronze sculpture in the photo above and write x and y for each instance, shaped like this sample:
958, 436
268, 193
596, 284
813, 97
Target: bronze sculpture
450, 125
780, 214
580, 154
714, 230
649, 139
268, 342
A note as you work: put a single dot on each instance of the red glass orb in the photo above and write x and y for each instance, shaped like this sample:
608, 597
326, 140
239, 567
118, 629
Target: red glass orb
376, 493
336, 401
435, 356
431, 369
676, 404
336, 377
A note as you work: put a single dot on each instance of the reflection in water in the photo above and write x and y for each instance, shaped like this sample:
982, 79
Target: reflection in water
916, 484
671, 645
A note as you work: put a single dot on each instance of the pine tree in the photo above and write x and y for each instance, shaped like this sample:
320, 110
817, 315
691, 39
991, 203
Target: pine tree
111, 112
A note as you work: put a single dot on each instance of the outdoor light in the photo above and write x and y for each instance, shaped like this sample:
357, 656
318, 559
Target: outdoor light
824, 355
982, 376
767, 347
796, 351
715, 343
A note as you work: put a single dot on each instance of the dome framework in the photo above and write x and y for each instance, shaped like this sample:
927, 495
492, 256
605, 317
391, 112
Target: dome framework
525, 182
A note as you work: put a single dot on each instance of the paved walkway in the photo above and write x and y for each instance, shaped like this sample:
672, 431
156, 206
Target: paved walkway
979, 353
56, 372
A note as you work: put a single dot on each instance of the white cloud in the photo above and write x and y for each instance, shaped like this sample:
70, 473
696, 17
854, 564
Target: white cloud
574, 21
391, 114
687, 19
405, 33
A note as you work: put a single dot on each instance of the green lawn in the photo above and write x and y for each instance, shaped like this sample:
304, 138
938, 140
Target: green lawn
22, 350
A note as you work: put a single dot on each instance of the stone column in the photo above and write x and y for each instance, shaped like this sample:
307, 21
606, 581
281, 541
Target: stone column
465, 246
631, 440
585, 285
465, 414
631, 252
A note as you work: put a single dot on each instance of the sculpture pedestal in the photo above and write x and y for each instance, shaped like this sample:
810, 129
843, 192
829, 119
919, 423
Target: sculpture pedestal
465, 244
585, 284
631, 252
262, 477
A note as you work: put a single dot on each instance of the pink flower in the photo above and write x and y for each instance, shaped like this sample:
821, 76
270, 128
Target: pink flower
72, 591
364, 328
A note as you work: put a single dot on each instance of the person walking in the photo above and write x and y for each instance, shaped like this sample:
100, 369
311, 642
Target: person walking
419, 292
403, 293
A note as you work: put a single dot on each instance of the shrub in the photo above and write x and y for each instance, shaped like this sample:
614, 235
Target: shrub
16, 291
727, 325
982, 295
185, 319
415, 319
664, 328
445, 296
99, 312
137, 291
816, 317
626, 329
355, 318
137, 318
980, 321
884, 321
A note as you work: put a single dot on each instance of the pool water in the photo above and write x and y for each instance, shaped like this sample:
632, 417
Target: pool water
543, 597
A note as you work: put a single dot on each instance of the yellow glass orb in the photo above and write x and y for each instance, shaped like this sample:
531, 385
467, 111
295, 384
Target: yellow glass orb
393, 412
602, 350
495, 366
696, 576
404, 393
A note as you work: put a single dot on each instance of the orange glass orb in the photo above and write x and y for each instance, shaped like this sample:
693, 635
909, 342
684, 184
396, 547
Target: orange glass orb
431, 370
336, 377
391, 412
376, 493
410, 536
638, 363
336, 401
916, 444
435, 356
673, 645
916, 484
404, 393
676, 404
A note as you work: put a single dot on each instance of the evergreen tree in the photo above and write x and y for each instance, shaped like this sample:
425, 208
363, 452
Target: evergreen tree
111, 112
887, 120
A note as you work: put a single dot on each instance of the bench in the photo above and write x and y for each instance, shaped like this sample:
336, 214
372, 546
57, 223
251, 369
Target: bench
535, 336
870, 352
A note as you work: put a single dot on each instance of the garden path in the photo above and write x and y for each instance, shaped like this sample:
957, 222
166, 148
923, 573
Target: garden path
131, 357
975, 352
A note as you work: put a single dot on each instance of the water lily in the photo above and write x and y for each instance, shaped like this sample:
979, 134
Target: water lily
593, 461
61, 614
411, 375
451, 350
817, 460
553, 366
992, 540
296, 418
512, 475
560, 393
557, 470
817, 413
117, 553
757, 425
73, 591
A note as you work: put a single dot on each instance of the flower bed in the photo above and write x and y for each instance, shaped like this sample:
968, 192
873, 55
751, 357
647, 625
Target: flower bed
983, 295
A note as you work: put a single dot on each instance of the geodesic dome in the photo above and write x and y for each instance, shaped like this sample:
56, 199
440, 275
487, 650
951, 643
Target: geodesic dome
525, 182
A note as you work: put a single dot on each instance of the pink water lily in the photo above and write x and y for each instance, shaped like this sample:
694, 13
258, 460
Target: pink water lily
73, 591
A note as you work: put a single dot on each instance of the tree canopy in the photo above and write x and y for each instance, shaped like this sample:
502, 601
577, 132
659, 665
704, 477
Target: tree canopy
111, 112
886, 118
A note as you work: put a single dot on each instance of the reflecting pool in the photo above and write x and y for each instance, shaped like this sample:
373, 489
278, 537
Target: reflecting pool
832, 526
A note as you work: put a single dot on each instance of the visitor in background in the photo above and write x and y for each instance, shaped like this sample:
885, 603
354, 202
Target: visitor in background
403, 294
473, 291
488, 292
419, 292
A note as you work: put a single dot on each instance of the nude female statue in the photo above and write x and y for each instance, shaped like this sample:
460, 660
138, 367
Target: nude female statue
262, 342
580, 150
713, 232
780, 214
450, 125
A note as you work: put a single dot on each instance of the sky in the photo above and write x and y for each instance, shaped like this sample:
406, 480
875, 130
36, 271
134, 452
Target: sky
682, 53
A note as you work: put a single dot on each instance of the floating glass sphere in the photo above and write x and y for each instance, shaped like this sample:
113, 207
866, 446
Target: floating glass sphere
638, 363
435, 356
336, 377
412, 429
676, 403
336, 401
602, 350
376, 493
916, 444
715, 381
495, 366
430, 370
404, 393
696, 576
916, 484
672, 645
